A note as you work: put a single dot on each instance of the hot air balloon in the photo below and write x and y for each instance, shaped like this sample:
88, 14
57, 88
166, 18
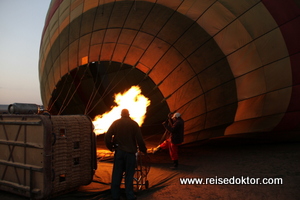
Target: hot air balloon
229, 67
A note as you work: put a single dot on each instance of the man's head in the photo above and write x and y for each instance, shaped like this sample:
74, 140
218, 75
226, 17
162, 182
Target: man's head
176, 115
125, 113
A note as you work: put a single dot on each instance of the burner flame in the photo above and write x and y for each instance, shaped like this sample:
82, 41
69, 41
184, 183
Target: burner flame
132, 100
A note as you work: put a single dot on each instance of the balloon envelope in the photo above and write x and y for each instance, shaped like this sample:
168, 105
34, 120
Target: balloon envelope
229, 67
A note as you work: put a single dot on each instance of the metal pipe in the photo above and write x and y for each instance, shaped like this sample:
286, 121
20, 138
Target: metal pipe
23, 108
3, 109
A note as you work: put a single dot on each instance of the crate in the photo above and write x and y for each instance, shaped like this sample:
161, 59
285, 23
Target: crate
43, 156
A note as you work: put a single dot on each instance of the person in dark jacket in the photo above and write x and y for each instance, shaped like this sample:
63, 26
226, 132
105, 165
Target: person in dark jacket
175, 128
125, 138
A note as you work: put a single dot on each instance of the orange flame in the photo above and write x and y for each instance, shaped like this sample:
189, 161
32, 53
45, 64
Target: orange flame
132, 100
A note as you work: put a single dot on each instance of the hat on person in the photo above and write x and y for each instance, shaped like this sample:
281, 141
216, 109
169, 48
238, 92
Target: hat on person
176, 115
125, 113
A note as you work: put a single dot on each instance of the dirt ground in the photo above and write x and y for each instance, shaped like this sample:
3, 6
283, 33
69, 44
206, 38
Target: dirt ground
216, 158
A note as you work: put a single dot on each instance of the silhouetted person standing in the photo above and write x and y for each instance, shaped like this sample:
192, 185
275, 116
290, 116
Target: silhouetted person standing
124, 136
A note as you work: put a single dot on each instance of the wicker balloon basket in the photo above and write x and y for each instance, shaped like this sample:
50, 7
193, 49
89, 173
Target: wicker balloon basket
44, 156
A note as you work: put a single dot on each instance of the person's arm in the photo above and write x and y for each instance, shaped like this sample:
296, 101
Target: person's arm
108, 138
173, 127
140, 141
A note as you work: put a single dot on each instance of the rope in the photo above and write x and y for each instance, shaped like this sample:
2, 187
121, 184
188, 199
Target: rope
67, 93
62, 108
88, 110
54, 101
95, 91
105, 93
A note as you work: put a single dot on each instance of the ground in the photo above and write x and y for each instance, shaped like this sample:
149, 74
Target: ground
215, 158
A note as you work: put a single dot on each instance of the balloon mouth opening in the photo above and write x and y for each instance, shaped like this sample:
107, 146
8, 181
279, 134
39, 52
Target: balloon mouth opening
90, 90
